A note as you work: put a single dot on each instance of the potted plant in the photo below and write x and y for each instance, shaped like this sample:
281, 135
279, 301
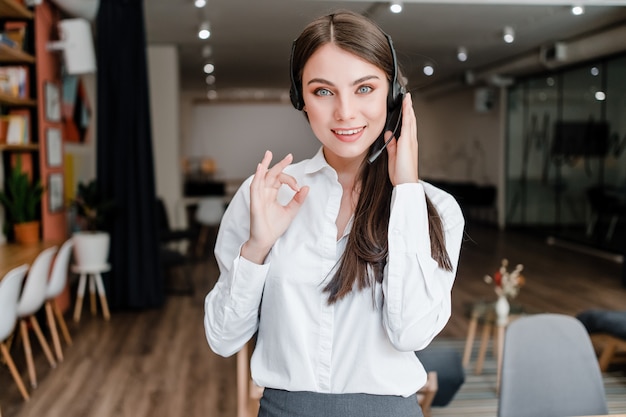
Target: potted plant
91, 242
20, 199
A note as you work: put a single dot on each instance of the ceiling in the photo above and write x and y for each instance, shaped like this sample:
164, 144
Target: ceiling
251, 39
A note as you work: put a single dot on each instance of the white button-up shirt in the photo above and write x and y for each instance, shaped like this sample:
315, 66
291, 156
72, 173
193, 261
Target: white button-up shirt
364, 343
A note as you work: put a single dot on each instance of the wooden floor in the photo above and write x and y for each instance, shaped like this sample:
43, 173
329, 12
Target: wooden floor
157, 363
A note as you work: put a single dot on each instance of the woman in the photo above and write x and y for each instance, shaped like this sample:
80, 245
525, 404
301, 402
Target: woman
343, 266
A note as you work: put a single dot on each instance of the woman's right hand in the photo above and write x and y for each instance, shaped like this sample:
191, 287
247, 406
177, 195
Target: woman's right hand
268, 218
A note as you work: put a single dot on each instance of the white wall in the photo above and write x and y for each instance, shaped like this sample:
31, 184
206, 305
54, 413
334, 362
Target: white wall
456, 142
236, 135
166, 141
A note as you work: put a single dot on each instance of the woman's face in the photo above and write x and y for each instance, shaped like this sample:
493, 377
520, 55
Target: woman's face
345, 98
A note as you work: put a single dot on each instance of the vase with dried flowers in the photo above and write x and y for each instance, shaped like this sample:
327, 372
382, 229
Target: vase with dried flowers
506, 285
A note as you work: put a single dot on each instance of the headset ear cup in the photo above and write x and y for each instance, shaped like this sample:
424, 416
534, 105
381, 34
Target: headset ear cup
294, 91
296, 100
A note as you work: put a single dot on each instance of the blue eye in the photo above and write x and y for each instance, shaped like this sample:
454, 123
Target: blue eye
323, 92
364, 89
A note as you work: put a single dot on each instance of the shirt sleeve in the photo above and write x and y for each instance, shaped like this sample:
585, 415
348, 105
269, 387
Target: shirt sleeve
417, 303
231, 308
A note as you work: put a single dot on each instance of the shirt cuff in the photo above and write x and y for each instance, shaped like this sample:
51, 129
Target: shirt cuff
248, 281
408, 222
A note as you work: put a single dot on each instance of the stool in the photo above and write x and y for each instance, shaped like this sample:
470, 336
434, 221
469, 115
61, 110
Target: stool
92, 272
485, 312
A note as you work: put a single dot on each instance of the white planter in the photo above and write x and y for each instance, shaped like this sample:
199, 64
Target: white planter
91, 249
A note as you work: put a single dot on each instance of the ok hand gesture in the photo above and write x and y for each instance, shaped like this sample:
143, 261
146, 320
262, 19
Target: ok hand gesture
268, 218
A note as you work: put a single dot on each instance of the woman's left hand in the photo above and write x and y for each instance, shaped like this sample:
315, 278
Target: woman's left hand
403, 152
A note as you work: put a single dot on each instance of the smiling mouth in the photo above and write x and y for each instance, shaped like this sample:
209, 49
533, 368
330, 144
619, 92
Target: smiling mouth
348, 132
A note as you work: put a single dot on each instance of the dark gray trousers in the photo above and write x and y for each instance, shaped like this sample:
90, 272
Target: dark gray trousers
279, 403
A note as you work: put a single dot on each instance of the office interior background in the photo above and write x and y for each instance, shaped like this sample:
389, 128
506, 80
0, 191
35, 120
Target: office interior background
529, 136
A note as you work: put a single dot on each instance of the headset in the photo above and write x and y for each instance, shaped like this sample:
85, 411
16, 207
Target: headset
394, 101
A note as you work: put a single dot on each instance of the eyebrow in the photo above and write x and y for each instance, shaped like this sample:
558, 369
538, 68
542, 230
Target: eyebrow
356, 82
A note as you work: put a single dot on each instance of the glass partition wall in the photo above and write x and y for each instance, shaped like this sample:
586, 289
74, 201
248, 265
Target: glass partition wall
566, 154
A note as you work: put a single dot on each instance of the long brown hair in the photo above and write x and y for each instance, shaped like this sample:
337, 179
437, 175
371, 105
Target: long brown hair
366, 251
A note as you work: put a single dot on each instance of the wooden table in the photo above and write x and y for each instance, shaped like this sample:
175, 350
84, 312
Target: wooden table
14, 254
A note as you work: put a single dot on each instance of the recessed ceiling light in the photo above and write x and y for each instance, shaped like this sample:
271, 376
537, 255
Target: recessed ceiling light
428, 69
199, 3
209, 68
508, 34
461, 54
205, 30
395, 7
578, 9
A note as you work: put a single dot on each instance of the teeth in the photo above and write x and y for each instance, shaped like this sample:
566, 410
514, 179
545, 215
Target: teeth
348, 132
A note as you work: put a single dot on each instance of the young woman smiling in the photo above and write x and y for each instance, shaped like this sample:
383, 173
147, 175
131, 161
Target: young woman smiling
342, 264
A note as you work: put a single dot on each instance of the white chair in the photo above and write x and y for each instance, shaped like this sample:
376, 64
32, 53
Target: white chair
209, 214
10, 287
56, 285
31, 301
549, 369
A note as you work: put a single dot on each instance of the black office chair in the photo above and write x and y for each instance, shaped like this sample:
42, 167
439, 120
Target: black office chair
173, 260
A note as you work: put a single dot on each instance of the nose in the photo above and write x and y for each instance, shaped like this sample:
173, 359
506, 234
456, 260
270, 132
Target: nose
345, 108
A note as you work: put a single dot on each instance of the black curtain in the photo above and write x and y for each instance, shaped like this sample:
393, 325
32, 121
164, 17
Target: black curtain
125, 168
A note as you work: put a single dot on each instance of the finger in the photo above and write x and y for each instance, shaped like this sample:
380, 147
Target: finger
392, 149
288, 180
408, 124
298, 199
261, 169
276, 170
267, 158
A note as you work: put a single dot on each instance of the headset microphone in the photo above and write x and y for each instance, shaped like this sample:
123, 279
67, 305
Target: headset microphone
397, 116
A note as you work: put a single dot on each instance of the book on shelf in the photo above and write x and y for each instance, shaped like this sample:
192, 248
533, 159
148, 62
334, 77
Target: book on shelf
14, 80
18, 129
6, 40
16, 32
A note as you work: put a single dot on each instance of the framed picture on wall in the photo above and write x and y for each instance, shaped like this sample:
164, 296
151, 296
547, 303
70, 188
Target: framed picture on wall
52, 96
55, 192
54, 150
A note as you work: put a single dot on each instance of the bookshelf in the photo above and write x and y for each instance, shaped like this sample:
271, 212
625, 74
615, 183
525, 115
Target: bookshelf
11, 9
13, 55
25, 103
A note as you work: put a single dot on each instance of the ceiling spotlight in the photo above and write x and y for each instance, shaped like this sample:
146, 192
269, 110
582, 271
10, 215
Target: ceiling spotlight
210, 79
600, 95
428, 70
395, 7
211, 94
461, 54
209, 68
578, 9
509, 34
205, 30
199, 3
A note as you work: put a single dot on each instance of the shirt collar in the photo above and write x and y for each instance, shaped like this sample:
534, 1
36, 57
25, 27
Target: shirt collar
317, 163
